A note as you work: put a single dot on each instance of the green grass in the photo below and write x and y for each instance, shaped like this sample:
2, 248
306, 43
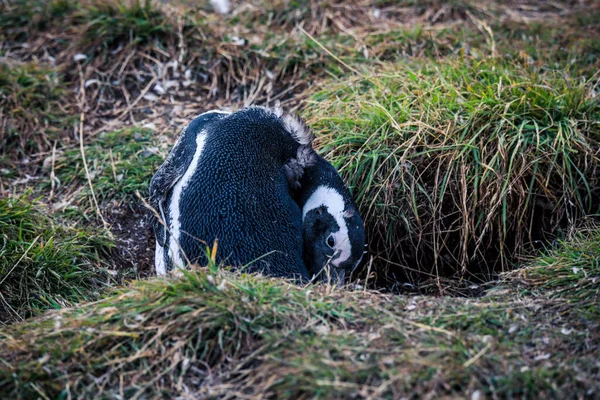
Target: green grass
120, 164
111, 23
470, 136
100, 23
461, 165
43, 263
34, 113
217, 334
27, 15
570, 271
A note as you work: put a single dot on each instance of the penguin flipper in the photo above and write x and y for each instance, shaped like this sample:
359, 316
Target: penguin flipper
174, 167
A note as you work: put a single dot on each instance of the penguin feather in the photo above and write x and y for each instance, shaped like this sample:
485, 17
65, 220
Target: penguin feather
211, 197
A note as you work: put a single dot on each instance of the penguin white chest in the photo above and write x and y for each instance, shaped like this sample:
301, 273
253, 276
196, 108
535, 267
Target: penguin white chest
175, 204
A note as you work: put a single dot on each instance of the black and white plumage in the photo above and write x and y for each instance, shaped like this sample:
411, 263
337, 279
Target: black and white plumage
333, 231
229, 177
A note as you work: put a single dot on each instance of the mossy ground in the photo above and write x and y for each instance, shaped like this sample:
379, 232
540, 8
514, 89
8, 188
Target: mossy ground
468, 132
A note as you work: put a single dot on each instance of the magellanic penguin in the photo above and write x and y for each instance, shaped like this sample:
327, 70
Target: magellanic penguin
333, 231
229, 178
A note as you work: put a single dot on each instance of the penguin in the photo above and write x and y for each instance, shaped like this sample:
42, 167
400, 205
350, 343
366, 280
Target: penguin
230, 178
333, 231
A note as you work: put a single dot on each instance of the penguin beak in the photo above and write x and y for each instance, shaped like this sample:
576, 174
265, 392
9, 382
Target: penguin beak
331, 274
339, 276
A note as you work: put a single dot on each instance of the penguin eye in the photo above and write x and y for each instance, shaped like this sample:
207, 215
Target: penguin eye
330, 241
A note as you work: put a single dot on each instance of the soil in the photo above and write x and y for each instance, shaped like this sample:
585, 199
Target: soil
134, 239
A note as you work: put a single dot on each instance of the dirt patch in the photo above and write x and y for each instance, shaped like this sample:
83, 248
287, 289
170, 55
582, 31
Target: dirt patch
131, 225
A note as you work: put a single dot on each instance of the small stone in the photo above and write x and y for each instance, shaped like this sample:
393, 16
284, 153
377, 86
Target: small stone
221, 6
79, 57
150, 125
158, 88
150, 97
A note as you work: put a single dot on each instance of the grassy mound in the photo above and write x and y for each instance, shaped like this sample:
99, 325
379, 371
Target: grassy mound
32, 107
218, 335
570, 271
44, 264
460, 166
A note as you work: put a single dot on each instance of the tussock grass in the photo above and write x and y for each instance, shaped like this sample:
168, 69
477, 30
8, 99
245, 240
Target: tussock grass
32, 107
570, 270
214, 334
44, 264
112, 23
461, 165
23, 16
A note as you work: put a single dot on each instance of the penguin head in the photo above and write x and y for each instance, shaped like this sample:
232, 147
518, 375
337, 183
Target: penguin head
333, 231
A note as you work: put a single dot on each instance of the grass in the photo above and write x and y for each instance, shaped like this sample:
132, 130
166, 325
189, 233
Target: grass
462, 165
214, 334
570, 271
44, 264
32, 107
25, 15
120, 164
111, 23
128, 43
104, 24
467, 130
132, 45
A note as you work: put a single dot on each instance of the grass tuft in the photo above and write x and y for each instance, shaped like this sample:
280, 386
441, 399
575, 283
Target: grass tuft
570, 270
111, 23
44, 264
461, 165
32, 107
